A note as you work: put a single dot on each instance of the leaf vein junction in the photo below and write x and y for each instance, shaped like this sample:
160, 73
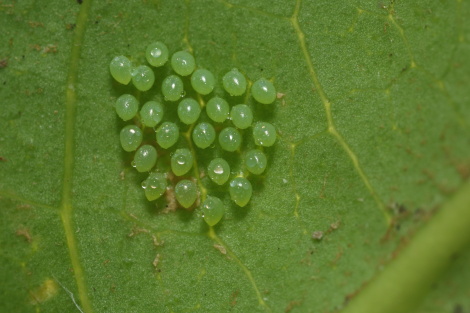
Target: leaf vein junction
327, 105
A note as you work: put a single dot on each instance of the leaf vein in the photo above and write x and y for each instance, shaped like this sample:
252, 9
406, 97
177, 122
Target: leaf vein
327, 105
66, 205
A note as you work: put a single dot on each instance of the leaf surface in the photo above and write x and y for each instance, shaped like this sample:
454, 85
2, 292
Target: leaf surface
373, 139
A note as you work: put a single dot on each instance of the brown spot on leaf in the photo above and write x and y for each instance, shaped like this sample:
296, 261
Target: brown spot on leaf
317, 235
156, 261
292, 305
3, 63
24, 232
157, 243
220, 248
137, 230
234, 297
35, 24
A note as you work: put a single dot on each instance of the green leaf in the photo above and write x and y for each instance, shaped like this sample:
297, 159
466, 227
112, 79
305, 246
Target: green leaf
373, 148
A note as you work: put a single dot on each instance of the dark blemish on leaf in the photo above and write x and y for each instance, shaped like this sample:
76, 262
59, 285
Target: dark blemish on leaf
454, 256
292, 305
35, 24
2, 159
233, 297
3, 63
404, 69
458, 308
170, 200
463, 170
338, 256
70, 26
79, 1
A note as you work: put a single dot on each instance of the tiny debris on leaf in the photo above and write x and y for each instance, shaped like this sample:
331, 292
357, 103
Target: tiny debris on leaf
24, 233
156, 260
157, 243
220, 248
335, 225
136, 231
3, 63
317, 235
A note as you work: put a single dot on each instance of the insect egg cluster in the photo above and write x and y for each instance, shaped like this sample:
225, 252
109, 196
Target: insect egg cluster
174, 128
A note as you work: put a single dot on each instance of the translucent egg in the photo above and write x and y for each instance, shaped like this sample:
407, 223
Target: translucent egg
234, 82
126, 106
145, 158
264, 134
188, 111
120, 68
217, 109
240, 191
172, 88
155, 186
183, 63
157, 54
143, 77
255, 161
241, 116
230, 139
263, 91
218, 171
151, 113
167, 135
213, 210
131, 138
203, 135
181, 161
203, 81
186, 192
